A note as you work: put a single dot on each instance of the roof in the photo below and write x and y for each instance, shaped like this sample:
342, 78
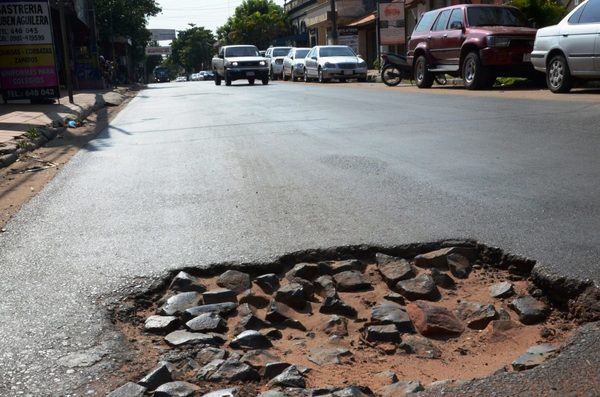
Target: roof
366, 20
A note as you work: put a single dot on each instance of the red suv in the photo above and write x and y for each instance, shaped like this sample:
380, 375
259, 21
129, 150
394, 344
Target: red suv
477, 42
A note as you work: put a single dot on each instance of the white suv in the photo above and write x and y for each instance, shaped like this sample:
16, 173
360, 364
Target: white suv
571, 49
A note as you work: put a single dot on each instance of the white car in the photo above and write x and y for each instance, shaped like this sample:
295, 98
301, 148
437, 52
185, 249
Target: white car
275, 57
569, 51
180, 79
293, 63
334, 62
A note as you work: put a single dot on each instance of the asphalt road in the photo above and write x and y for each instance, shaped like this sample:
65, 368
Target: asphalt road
191, 173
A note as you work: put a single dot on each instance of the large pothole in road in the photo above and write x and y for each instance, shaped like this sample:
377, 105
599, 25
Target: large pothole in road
364, 322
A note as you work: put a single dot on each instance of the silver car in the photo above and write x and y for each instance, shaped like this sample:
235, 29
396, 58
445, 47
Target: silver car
293, 63
334, 62
275, 57
569, 50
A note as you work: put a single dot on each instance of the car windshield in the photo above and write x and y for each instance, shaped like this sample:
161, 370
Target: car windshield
336, 52
301, 53
495, 16
280, 52
242, 52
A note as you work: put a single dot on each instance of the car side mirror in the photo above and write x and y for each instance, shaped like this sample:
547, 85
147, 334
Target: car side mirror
315, 58
457, 25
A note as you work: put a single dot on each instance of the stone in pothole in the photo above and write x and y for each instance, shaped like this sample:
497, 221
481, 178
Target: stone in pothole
393, 269
395, 297
232, 370
250, 340
176, 389
420, 346
420, 287
176, 304
219, 308
344, 266
293, 295
250, 322
534, 356
442, 279
290, 377
530, 310
437, 259
272, 369
280, 314
383, 333
184, 282
389, 313
325, 287
234, 280
432, 320
181, 337
496, 330
253, 299
401, 389
350, 391
209, 369
337, 306
476, 315
129, 389
209, 354
459, 265
336, 326
231, 392
220, 295
160, 324
352, 281
387, 377
323, 356
502, 290
259, 358
307, 271
269, 283
157, 376
207, 322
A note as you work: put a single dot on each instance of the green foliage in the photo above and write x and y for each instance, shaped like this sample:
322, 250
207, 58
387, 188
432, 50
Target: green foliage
193, 48
257, 22
32, 133
125, 18
543, 12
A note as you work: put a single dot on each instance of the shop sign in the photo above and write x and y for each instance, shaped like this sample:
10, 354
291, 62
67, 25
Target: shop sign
391, 23
349, 37
166, 50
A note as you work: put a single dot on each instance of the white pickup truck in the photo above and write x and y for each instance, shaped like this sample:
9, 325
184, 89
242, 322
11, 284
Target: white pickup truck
240, 62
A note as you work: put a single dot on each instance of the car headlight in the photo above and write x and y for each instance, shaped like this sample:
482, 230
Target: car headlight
262, 63
234, 63
496, 41
329, 65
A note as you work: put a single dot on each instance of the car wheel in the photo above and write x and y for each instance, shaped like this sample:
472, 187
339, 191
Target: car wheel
306, 76
320, 76
475, 75
558, 75
251, 81
423, 77
265, 81
227, 79
217, 79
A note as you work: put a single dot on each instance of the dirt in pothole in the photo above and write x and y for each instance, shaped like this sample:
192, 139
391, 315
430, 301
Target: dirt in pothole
475, 353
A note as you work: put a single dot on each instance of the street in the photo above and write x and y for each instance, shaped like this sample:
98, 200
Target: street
192, 174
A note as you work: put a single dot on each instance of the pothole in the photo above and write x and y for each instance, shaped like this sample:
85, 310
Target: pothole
354, 322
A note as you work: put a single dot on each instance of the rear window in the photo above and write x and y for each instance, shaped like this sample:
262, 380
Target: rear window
425, 22
495, 16
336, 52
281, 52
301, 53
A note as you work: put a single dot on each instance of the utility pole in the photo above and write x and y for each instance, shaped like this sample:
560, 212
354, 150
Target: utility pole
65, 45
334, 32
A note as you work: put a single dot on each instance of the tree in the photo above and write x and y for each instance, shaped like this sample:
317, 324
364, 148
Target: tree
193, 48
257, 22
543, 12
125, 18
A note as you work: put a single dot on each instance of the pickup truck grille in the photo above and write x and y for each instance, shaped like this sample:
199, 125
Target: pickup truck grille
346, 65
517, 42
248, 63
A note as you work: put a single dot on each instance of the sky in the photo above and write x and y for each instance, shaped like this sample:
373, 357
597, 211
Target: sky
210, 14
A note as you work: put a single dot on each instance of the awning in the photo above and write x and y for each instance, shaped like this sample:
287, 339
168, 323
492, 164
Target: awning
369, 19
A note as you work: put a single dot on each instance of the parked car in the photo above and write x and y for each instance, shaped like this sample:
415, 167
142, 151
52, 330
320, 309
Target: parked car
334, 62
293, 63
237, 62
275, 57
207, 75
569, 51
477, 42
180, 79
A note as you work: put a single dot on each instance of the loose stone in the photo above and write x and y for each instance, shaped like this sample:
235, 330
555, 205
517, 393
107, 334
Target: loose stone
206, 322
441, 279
290, 377
278, 313
181, 337
220, 295
209, 354
234, 280
129, 389
292, 295
205, 372
250, 340
437, 259
307, 271
273, 369
393, 269
160, 324
401, 389
337, 326
232, 392
184, 282
459, 265
534, 356
420, 347
432, 320
322, 356
395, 297
253, 299
496, 330
476, 315
259, 358
344, 266
351, 281
336, 306
250, 322
176, 304
233, 370
502, 290
389, 313
158, 376
219, 308
269, 283
420, 287
530, 310
325, 287
176, 389
351, 391
383, 333
387, 377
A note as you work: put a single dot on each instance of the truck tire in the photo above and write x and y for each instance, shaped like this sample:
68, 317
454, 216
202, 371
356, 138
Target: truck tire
227, 79
251, 81
217, 78
265, 80
475, 75
423, 77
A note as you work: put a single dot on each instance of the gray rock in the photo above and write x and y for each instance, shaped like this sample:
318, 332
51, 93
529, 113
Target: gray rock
254, 299
502, 290
207, 322
352, 280
250, 322
530, 310
476, 315
534, 356
219, 308
181, 337
336, 325
280, 314
387, 377
157, 376
290, 377
400, 389
272, 333
231, 392
325, 287
272, 393
129, 389
394, 297
220, 295
393, 269
389, 313
176, 304
293, 295
184, 282
309, 288
234, 280
8, 159
419, 346
233, 370
259, 358
250, 340
442, 279
269, 283
273, 369
383, 333
437, 259
307, 271
322, 356
245, 309
420, 287
336, 306
205, 372
176, 389
160, 324
209, 354
459, 265
350, 391
7, 148
432, 320
344, 266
